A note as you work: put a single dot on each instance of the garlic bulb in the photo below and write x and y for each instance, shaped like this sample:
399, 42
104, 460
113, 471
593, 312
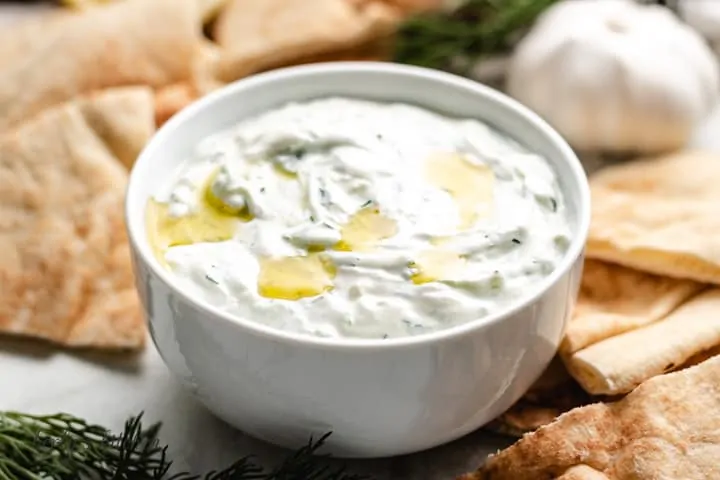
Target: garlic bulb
703, 16
615, 75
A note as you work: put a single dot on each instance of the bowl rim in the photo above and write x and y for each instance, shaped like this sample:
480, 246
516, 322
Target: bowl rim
165, 133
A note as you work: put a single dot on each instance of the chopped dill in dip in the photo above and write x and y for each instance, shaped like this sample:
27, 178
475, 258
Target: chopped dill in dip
347, 218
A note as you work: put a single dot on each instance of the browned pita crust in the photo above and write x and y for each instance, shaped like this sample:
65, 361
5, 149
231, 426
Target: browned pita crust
208, 9
659, 215
123, 118
618, 364
173, 98
615, 299
27, 35
666, 428
256, 36
377, 51
675, 237
692, 173
582, 472
64, 261
133, 42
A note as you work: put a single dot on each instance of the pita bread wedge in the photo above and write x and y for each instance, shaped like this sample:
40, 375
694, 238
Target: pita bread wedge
208, 9
257, 36
123, 118
666, 428
659, 215
582, 472
555, 393
173, 98
133, 42
618, 364
615, 299
693, 173
675, 237
27, 35
64, 261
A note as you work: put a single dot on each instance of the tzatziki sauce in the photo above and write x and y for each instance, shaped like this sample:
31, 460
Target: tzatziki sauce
347, 218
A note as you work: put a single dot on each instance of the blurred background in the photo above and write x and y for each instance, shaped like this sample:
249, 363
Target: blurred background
617, 78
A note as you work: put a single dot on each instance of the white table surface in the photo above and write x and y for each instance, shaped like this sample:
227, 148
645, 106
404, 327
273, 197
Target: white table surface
107, 389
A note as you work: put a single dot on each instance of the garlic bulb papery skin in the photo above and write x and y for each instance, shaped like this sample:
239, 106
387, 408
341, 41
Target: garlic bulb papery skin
615, 75
703, 16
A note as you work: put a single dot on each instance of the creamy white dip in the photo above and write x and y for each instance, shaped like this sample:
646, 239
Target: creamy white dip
348, 218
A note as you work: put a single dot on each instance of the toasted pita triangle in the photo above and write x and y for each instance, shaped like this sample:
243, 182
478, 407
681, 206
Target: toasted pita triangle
616, 365
64, 261
582, 472
615, 299
685, 173
675, 237
666, 428
256, 36
133, 42
208, 8
659, 215
555, 393
123, 117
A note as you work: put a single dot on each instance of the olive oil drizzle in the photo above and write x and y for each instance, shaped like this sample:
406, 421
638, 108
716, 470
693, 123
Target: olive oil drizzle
294, 278
469, 184
364, 229
436, 265
211, 221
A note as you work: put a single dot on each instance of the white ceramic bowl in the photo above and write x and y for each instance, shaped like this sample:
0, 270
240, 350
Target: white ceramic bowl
379, 398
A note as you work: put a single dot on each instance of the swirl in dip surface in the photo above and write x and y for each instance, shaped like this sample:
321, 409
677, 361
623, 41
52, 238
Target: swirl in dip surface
348, 218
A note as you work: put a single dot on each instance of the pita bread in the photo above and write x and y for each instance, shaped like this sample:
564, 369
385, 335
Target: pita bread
674, 237
64, 262
615, 299
122, 43
123, 118
208, 9
555, 393
659, 215
666, 428
377, 51
620, 363
582, 472
27, 35
171, 99
690, 173
257, 36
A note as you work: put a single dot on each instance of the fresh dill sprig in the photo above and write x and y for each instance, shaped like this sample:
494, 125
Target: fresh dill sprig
476, 29
458, 38
64, 447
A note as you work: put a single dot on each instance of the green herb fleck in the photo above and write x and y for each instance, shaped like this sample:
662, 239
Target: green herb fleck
477, 29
